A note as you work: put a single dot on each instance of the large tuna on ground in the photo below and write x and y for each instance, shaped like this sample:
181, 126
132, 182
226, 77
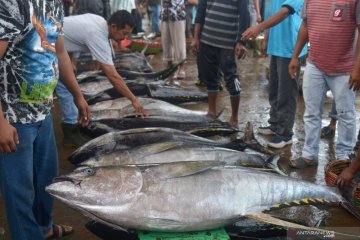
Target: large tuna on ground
183, 196
109, 117
169, 151
124, 140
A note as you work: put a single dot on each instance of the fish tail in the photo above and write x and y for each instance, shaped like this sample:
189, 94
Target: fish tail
348, 200
272, 162
351, 208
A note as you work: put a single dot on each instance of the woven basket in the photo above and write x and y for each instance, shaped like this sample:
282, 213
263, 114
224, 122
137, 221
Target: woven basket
333, 170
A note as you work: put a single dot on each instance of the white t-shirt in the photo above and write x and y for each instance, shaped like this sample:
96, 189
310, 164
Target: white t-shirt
127, 5
88, 33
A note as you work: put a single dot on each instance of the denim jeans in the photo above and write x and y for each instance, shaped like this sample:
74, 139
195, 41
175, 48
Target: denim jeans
333, 113
155, 18
315, 85
24, 174
283, 93
67, 105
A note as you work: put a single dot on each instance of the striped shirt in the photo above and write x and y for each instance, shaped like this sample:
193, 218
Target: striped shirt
331, 29
223, 21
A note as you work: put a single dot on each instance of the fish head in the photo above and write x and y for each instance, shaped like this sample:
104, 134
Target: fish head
101, 186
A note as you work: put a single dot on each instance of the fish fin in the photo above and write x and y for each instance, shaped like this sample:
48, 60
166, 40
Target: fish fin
145, 48
220, 112
351, 208
249, 135
251, 142
180, 169
263, 217
272, 163
304, 201
161, 147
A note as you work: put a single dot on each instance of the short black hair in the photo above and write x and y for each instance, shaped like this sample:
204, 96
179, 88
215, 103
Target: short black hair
121, 18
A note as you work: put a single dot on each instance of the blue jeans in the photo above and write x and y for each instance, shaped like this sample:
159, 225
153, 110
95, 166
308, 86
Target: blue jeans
333, 113
283, 93
315, 85
24, 174
155, 18
67, 105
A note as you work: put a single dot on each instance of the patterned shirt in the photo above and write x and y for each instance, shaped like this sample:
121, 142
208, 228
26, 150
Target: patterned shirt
172, 10
29, 69
223, 21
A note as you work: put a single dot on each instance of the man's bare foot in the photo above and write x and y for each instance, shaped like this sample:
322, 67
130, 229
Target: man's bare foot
234, 122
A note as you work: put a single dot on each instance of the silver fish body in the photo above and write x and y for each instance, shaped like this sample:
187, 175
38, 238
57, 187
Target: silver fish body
127, 139
166, 152
178, 197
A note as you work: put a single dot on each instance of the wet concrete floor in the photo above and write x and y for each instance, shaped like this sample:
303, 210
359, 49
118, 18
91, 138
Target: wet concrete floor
254, 107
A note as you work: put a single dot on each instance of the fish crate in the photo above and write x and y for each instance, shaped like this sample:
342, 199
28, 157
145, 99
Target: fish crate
333, 170
215, 234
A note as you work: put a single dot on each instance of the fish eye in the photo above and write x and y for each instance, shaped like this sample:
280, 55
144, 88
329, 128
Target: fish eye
89, 171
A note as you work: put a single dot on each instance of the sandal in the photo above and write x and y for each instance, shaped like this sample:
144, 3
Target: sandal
59, 231
302, 163
327, 132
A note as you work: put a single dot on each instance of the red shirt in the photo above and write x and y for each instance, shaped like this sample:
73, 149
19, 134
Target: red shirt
331, 28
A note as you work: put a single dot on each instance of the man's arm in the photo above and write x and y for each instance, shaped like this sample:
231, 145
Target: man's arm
257, 10
278, 17
68, 78
354, 81
348, 174
8, 134
243, 24
120, 86
199, 22
302, 39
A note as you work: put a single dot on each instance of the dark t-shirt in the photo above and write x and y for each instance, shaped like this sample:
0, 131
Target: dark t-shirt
29, 69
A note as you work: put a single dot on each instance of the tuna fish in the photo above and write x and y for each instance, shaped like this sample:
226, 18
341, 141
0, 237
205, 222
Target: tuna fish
134, 61
182, 196
165, 152
160, 75
123, 140
97, 88
159, 114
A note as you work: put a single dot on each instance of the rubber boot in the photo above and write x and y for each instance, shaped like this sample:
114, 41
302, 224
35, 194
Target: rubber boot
72, 136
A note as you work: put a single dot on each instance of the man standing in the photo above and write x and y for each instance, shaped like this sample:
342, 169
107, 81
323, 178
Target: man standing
329, 26
217, 39
280, 42
89, 32
32, 58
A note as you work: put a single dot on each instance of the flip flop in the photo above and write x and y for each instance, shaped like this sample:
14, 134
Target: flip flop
327, 132
59, 231
302, 163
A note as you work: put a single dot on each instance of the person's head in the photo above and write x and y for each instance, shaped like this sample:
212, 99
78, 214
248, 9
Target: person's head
121, 24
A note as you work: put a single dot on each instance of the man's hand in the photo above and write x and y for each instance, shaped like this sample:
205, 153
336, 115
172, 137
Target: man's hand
83, 108
354, 81
140, 112
8, 137
195, 43
293, 67
263, 47
345, 178
251, 33
240, 51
